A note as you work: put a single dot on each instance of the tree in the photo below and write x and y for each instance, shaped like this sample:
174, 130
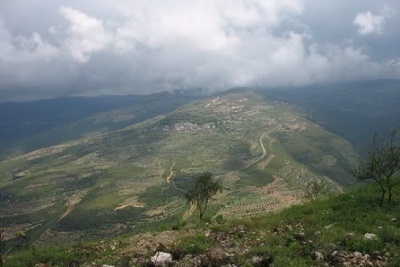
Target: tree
203, 190
381, 165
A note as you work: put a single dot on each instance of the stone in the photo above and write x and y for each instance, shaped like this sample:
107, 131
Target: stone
260, 261
358, 254
161, 259
369, 236
318, 256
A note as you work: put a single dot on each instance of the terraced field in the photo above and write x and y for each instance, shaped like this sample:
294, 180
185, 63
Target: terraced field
133, 179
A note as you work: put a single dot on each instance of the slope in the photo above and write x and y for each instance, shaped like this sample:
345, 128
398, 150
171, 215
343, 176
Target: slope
347, 230
132, 179
28, 126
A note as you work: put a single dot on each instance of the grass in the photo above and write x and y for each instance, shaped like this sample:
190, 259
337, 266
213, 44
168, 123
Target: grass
288, 238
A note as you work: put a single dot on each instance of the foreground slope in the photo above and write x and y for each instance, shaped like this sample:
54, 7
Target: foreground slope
347, 230
133, 179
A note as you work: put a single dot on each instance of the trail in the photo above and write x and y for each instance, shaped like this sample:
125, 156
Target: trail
264, 153
168, 179
71, 206
135, 205
189, 212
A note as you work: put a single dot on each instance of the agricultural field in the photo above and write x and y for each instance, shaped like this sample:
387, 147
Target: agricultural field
134, 179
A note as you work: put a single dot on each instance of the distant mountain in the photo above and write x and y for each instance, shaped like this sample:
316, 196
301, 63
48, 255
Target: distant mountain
265, 152
352, 110
26, 126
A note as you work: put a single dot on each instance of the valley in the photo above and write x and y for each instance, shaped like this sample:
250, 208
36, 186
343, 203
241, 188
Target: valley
133, 179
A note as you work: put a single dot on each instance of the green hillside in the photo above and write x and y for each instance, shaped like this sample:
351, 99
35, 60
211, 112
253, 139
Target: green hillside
347, 230
132, 180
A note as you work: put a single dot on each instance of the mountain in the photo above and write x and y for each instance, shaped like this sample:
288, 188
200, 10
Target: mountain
353, 110
266, 153
27, 126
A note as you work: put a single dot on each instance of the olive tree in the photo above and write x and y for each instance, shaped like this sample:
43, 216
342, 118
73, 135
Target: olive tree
381, 165
203, 190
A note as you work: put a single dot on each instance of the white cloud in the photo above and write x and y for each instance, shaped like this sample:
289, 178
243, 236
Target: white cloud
369, 23
24, 48
125, 46
86, 34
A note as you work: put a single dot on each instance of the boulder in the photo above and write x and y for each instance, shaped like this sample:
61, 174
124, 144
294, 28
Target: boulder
161, 259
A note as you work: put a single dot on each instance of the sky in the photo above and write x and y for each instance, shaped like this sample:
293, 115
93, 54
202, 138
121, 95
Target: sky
52, 48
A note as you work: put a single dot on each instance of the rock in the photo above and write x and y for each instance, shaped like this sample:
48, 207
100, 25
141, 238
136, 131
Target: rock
393, 220
161, 259
369, 236
318, 256
358, 254
256, 260
261, 261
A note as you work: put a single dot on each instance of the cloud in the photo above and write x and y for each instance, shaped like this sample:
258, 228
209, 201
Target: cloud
24, 48
369, 23
102, 47
85, 34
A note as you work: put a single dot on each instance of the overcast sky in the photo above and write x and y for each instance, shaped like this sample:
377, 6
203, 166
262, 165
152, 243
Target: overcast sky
54, 48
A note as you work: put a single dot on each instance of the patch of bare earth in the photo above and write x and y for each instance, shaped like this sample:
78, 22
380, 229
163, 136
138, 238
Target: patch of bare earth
130, 202
189, 212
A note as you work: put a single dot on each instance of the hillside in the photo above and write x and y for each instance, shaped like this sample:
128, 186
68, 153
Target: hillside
347, 230
352, 110
27, 126
131, 180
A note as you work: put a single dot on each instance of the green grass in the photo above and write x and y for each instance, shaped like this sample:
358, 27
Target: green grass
290, 237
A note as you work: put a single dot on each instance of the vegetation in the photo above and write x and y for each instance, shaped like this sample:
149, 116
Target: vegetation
133, 179
203, 190
347, 230
381, 165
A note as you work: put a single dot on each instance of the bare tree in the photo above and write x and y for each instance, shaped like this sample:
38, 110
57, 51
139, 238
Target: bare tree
381, 165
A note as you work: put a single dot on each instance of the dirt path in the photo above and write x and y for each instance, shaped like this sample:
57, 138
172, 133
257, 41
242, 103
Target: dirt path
264, 153
168, 179
189, 212
71, 206
135, 205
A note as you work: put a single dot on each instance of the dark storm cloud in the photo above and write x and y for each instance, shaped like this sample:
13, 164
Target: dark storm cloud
53, 48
